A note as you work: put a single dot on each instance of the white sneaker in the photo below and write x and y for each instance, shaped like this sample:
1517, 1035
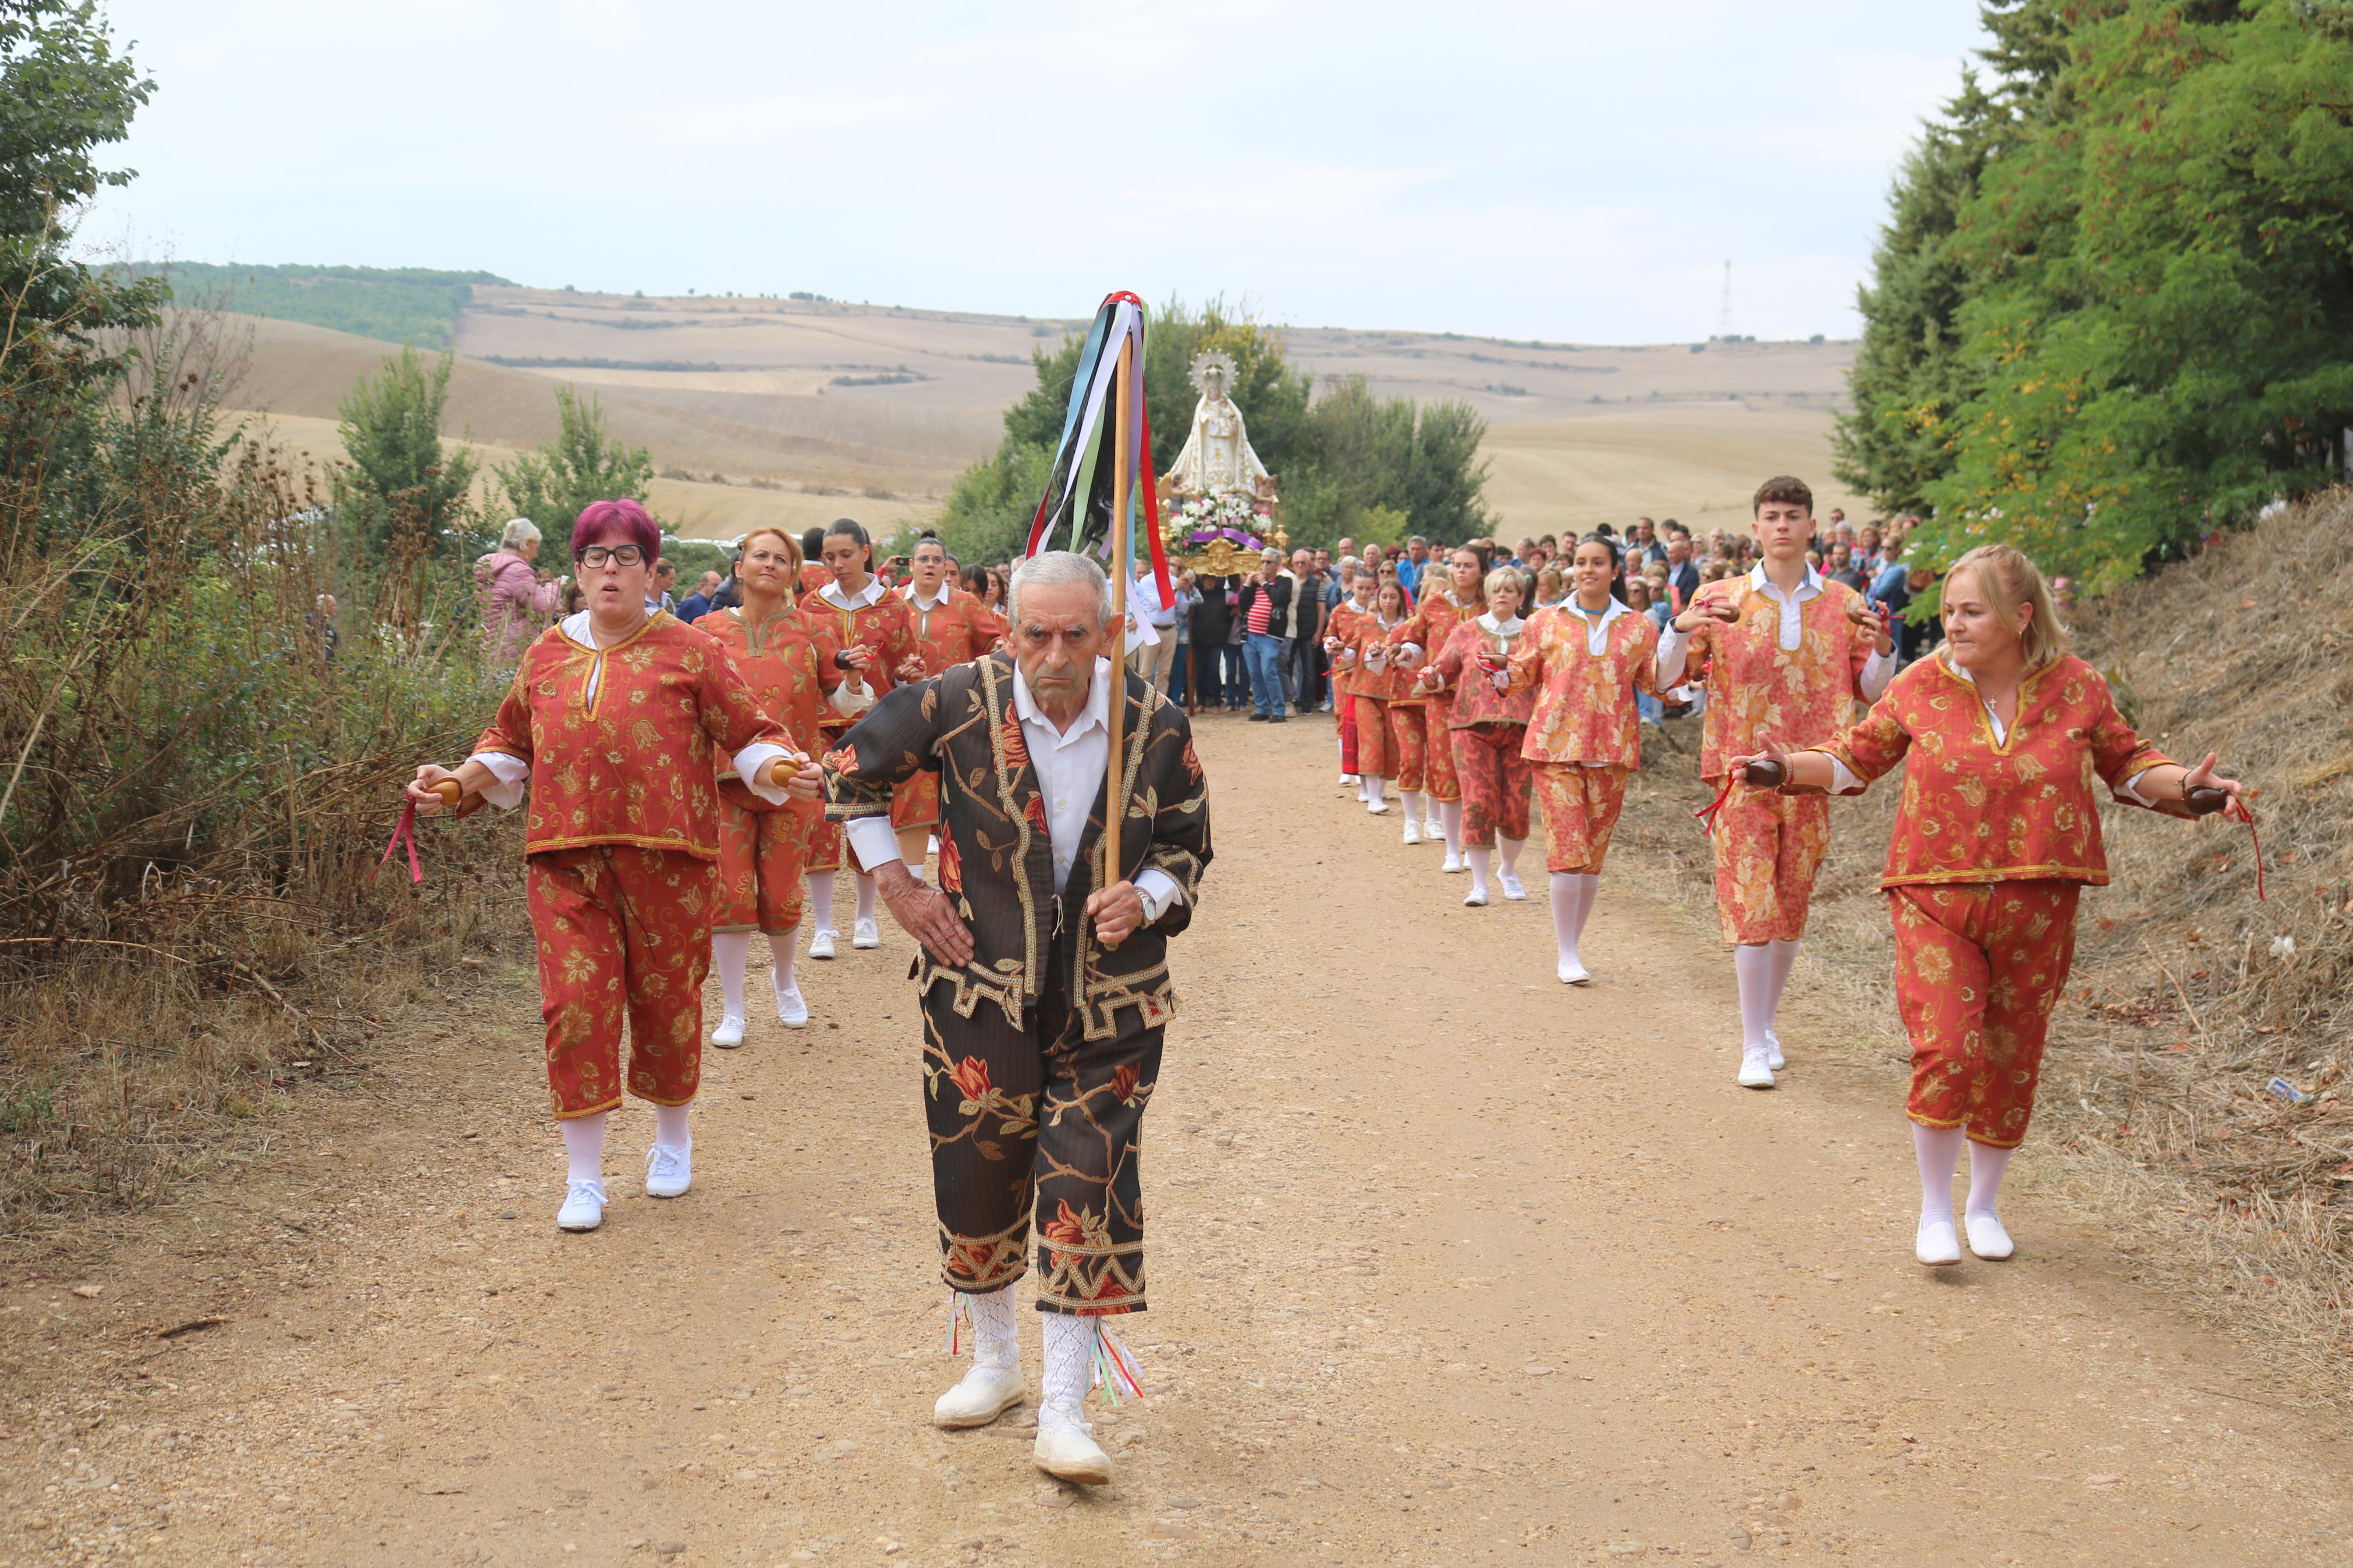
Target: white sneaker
1065, 1450
1936, 1246
1434, 828
1513, 889
1347, 779
1377, 807
985, 1393
584, 1207
866, 934
791, 1011
821, 944
1773, 1057
668, 1172
1754, 1071
1412, 831
1574, 973
729, 1033
1476, 898
931, 844
1454, 862
1987, 1239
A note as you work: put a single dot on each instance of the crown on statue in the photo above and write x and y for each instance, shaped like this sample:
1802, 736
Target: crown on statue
1208, 360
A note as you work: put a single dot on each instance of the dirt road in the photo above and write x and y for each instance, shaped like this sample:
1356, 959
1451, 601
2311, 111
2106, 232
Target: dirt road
1451, 1265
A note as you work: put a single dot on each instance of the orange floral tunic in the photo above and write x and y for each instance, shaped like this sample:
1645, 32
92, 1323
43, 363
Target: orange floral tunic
1760, 694
1384, 684
1583, 701
1433, 620
789, 667
956, 631
1476, 700
885, 626
1345, 626
637, 763
1979, 810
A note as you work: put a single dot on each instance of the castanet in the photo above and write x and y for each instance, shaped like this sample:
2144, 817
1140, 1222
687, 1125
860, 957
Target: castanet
2205, 800
1764, 774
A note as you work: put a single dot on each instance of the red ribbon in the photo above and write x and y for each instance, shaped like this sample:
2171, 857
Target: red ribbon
2237, 812
1706, 814
1151, 485
403, 833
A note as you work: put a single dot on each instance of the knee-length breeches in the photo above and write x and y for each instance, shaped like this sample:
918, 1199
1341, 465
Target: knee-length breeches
1978, 967
1769, 849
622, 932
999, 1154
1438, 750
1375, 756
762, 855
1495, 780
1580, 813
1408, 765
1344, 705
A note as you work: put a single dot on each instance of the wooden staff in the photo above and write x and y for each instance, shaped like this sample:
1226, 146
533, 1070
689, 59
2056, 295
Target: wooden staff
1123, 478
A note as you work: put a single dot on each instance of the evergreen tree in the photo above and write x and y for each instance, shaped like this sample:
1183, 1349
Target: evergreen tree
583, 464
394, 479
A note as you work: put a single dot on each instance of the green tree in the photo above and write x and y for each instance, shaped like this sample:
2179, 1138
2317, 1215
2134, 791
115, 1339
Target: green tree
583, 464
394, 479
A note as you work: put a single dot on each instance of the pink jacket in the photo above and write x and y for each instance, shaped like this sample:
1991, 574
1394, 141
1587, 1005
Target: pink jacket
516, 606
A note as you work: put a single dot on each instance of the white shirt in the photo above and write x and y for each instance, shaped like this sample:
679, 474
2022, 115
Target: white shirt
1596, 630
871, 594
511, 772
1675, 645
1069, 770
1144, 602
916, 601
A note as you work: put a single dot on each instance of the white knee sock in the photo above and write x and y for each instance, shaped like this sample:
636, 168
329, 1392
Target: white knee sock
1565, 894
1511, 849
1753, 968
1936, 1149
730, 951
1588, 886
1412, 799
866, 894
1785, 958
1986, 1168
820, 899
784, 948
1450, 813
1070, 1359
670, 1127
583, 1147
1479, 861
995, 1329
1375, 787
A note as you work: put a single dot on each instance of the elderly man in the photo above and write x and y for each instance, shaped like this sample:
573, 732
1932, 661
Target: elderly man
1304, 655
1044, 976
1265, 610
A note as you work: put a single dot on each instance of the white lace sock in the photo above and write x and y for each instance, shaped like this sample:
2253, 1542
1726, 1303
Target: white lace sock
1070, 1361
1510, 853
1785, 958
730, 952
1565, 895
1588, 887
1937, 1149
670, 1127
995, 1329
1479, 862
1753, 968
820, 899
583, 1147
1450, 812
866, 896
1986, 1168
1375, 786
784, 949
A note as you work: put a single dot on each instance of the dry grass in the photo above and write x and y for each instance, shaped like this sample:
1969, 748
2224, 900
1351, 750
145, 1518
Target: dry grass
2155, 1122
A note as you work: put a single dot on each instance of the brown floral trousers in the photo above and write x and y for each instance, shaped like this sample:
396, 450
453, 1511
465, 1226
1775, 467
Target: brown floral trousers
1039, 1119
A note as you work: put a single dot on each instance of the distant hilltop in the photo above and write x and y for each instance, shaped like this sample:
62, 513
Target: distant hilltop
397, 304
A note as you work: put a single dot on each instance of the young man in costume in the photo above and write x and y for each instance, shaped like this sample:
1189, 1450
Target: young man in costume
952, 627
623, 714
1782, 655
876, 634
1043, 977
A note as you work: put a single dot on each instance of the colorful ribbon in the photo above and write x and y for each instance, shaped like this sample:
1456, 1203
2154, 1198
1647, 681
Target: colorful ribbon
1114, 1367
403, 833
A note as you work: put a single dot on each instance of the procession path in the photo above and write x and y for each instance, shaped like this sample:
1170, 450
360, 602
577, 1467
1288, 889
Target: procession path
1450, 1265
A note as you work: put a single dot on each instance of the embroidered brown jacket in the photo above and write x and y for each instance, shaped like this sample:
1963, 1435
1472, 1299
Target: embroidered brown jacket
997, 860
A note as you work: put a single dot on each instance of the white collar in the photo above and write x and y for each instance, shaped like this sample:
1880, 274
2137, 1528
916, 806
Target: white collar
1764, 585
871, 594
1511, 628
909, 594
578, 627
1617, 608
1098, 711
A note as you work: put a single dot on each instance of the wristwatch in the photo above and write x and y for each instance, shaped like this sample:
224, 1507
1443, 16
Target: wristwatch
1153, 907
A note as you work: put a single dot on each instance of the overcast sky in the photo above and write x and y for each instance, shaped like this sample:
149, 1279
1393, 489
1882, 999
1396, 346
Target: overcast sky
1569, 169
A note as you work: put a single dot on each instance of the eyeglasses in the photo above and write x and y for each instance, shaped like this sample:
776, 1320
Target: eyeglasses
618, 555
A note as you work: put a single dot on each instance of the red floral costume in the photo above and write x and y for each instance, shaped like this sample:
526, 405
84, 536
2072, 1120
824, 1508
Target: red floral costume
956, 631
621, 837
1433, 620
764, 849
1388, 740
1342, 628
1485, 728
1994, 840
1585, 734
1769, 847
884, 628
